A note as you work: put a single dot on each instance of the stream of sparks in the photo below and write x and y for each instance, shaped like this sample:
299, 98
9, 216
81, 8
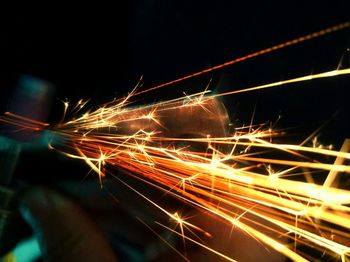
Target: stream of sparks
243, 179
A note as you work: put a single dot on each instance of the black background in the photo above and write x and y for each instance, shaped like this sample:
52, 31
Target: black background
100, 52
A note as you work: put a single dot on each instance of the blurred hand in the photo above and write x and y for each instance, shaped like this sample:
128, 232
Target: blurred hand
67, 232
64, 231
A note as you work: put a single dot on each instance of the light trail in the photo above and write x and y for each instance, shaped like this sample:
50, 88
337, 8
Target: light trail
290, 81
255, 54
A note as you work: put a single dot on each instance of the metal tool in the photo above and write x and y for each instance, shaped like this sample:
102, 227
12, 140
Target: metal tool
30, 99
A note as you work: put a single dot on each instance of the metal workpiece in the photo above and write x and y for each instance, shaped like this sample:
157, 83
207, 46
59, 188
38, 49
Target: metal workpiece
185, 118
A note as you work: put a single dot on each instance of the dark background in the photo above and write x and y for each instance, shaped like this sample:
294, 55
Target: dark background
100, 52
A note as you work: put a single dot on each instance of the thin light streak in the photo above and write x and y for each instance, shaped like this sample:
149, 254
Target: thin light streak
255, 54
289, 81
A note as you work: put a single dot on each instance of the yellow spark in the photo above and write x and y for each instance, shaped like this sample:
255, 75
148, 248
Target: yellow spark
205, 179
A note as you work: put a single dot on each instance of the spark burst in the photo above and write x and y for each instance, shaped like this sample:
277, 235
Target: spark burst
233, 178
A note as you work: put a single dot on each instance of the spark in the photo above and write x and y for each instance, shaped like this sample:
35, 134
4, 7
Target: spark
229, 184
232, 180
